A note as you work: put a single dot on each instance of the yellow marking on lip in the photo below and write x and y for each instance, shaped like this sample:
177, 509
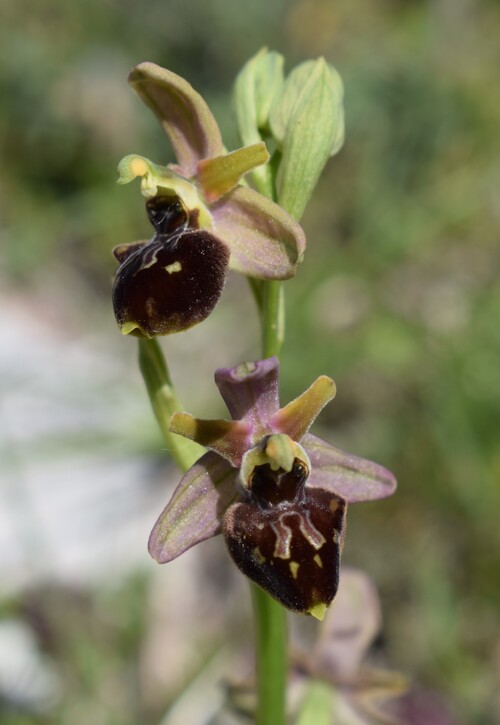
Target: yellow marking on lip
259, 556
174, 267
294, 568
318, 561
336, 537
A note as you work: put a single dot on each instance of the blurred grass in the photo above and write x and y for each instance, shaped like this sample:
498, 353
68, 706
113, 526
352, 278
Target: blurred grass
398, 296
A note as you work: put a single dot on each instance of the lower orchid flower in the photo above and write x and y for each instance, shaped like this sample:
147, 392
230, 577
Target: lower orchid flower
277, 493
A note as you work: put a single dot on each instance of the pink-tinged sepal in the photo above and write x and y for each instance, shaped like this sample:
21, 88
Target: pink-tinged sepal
230, 439
265, 241
288, 539
196, 508
296, 418
182, 112
250, 391
351, 477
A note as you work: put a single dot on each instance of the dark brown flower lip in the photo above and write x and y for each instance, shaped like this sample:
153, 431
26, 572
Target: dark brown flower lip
170, 283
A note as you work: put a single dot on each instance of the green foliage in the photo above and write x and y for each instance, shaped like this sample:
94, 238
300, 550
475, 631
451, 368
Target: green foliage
397, 298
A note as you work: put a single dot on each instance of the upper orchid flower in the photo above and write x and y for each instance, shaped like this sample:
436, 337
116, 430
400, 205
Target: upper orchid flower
277, 492
205, 220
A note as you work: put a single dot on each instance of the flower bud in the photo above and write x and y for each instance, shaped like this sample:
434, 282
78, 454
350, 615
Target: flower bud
255, 89
307, 122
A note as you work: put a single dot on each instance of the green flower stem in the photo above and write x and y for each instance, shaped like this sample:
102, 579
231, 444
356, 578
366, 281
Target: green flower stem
269, 615
164, 402
273, 318
271, 656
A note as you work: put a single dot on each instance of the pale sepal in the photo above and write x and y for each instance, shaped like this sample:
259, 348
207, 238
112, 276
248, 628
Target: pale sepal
264, 241
182, 112
351, 477
196, 509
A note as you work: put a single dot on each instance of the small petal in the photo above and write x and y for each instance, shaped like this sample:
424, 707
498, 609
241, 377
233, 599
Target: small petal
182, 112
196, 508
296, 418
219, 175
250, 391
351, 477
264, 240
230, 439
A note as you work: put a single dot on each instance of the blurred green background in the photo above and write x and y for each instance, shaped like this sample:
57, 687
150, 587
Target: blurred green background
397, 299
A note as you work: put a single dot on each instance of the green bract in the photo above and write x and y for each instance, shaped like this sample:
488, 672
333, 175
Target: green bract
255, 89
303, 115
307, 122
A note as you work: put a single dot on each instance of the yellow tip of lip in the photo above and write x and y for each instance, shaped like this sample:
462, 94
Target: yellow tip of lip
129, 327
318, 611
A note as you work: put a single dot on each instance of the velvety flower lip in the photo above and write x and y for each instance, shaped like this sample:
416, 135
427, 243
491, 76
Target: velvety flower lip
174, 280
264, 241
278, 493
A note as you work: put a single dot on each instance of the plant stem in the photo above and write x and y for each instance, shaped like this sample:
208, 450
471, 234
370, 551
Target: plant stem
273, 318
165, 402
269, 615
270, 652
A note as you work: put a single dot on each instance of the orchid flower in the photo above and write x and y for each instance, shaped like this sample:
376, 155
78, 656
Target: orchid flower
205, 220
277, 493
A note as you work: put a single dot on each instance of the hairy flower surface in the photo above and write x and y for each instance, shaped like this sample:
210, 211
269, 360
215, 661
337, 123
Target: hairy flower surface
228, 225
278, 493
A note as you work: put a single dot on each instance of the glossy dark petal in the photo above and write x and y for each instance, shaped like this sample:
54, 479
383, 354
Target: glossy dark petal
288, 539
170, 284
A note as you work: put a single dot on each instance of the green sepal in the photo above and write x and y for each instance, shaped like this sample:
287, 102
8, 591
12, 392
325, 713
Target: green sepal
307, 123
